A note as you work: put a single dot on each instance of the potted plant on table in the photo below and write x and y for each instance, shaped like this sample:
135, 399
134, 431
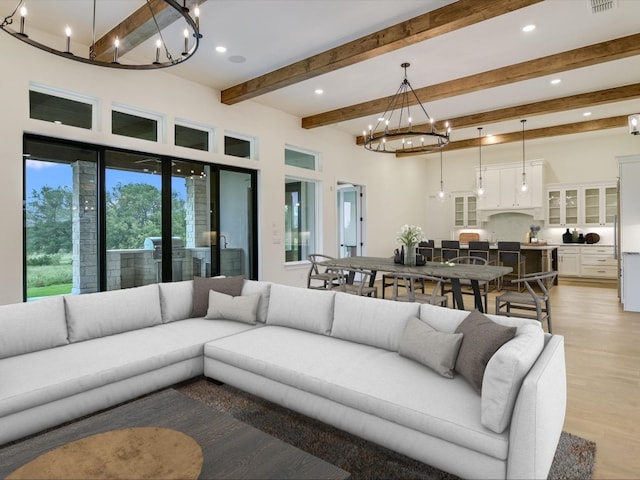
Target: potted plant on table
409, 236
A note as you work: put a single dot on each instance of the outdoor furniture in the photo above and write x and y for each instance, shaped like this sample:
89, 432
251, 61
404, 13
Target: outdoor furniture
533, 303
410, 282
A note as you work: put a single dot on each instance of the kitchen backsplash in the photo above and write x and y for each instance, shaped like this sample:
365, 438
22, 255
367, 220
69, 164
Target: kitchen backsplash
514, 227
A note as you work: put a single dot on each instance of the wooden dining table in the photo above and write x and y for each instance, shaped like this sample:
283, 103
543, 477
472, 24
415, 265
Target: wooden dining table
454, 272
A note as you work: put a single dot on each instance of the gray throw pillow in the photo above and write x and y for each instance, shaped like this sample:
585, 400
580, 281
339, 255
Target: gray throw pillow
201, 286
482, 338
434, 349
242, 308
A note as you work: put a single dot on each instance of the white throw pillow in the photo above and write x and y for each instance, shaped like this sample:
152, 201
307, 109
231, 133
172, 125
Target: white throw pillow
264, 289
242, 308
301, 308
505, 372
94, 315
371, 321
434, 349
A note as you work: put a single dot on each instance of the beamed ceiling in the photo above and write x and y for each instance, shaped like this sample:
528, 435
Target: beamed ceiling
471, 63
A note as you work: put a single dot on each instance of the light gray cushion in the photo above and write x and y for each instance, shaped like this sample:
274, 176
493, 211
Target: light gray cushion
95, 315
482, 338
176, 300
28, 327
201, 286
505, 372
371, 321
424, 344
264, 289
301, 308
239, 309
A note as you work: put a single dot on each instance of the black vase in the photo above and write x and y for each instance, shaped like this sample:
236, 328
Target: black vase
567, 237
581, 238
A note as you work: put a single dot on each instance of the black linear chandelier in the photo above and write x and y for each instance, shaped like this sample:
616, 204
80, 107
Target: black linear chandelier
398, 131
111, 47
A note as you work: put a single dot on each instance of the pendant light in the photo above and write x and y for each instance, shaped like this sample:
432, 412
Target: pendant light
524, 186
441, 193
480, 190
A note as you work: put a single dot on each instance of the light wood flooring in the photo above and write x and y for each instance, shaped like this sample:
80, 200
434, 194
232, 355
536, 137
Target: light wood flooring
602, 349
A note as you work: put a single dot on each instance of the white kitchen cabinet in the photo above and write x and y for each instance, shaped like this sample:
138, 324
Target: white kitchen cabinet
465, 210
563, 206
600, 204
598, 262
569, 261
503, 187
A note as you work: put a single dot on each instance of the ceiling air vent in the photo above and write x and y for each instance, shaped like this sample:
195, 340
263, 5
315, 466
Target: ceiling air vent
601, 6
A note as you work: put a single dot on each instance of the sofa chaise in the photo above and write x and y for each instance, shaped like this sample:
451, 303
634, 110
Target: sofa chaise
385, 371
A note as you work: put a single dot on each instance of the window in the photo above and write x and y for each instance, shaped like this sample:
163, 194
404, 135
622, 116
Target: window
99, 218
238, 145
301, 159
301, 218
61, 219
193, 137
57, 106
135, 123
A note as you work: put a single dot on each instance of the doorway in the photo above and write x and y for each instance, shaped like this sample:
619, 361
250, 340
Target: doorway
351, 226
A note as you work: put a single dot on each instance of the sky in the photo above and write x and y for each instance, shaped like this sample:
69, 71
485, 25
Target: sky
39, 174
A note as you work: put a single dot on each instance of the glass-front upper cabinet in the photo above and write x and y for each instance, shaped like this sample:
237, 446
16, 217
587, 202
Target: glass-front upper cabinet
465, 210
600, 205
562, 206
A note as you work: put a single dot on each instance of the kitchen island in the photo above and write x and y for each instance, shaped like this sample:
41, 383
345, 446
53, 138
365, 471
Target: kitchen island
539, 258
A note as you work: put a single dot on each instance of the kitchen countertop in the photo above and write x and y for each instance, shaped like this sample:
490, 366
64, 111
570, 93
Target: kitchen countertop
522, 247
582, 245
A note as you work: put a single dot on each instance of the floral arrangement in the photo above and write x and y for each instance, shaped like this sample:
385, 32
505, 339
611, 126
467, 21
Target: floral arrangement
410, 235
534, 232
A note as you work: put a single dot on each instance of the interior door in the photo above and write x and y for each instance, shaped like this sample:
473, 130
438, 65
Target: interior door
350, 220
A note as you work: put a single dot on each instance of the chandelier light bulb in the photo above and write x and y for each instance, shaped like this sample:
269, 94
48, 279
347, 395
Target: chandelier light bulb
23, 14
116, 44
67, 32
196, 12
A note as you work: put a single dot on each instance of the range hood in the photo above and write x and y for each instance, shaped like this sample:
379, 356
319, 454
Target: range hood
534, 213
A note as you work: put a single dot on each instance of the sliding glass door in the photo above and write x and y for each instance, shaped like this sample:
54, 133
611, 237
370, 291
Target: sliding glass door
102, 219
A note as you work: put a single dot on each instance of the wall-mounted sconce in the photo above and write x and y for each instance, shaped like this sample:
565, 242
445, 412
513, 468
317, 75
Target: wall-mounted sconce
634, 124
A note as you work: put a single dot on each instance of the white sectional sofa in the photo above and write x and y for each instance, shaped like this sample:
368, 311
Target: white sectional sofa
331, 356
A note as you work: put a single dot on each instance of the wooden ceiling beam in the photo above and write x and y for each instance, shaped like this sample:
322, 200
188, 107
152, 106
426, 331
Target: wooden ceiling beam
138, 27
546, 132
610, 95
443, 20
561, 62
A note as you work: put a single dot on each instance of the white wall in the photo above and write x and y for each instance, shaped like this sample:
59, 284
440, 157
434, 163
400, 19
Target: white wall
389, 181
397, 189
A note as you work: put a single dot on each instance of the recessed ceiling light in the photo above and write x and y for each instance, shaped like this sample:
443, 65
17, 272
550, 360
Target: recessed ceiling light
221, 49
529, 28
555, 81
319, 91
586, 114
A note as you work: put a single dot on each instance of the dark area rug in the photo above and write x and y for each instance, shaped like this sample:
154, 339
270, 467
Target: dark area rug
574, 457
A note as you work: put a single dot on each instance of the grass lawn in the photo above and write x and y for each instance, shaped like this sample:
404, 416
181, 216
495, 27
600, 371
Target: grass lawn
59, 289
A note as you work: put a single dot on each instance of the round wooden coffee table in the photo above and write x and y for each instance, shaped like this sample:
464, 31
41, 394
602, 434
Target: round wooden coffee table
132, 453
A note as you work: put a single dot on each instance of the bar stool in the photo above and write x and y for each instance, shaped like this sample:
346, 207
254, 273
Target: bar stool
481, 249
427, 250
509, 255
449, 249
